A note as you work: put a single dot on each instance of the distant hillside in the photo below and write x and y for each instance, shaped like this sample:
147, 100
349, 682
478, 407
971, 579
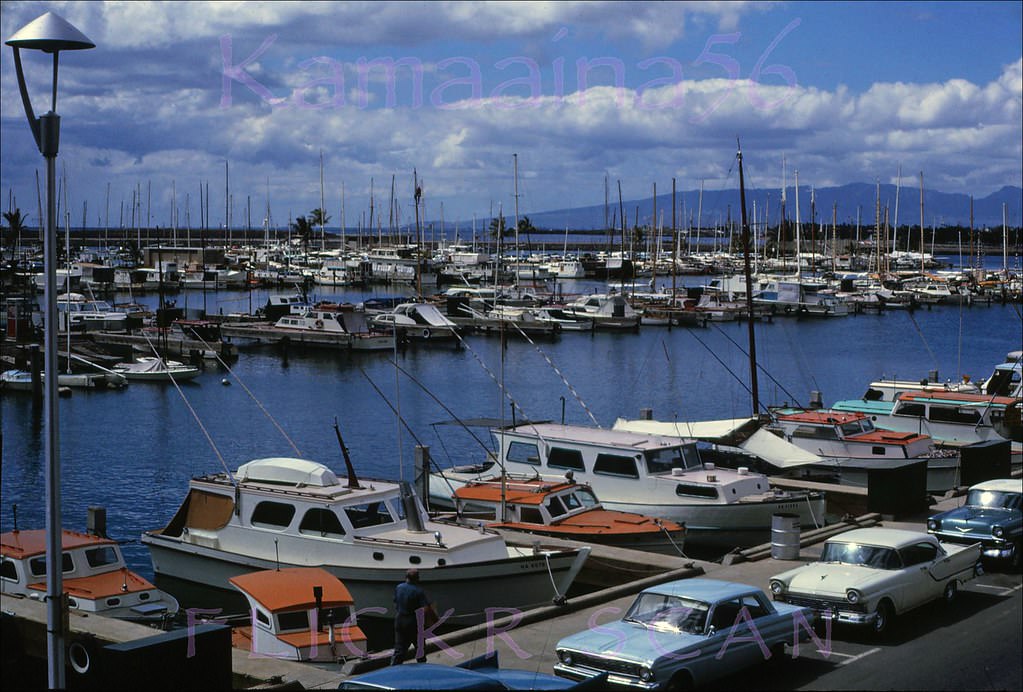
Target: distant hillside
940, 208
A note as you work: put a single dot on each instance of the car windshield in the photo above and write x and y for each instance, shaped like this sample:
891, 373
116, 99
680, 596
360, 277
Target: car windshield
674, 613
858, 554
994, 499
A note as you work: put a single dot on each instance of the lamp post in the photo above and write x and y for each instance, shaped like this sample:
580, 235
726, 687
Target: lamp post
50, 34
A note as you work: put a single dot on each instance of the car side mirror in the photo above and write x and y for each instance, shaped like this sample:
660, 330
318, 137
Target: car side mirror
711, 630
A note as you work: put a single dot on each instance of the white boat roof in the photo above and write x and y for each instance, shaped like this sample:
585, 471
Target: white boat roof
287, 470
595, 436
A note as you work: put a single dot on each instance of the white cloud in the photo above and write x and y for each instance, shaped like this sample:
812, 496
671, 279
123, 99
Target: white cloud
164, 122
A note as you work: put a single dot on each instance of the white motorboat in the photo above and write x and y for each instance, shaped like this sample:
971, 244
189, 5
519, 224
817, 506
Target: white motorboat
95, 576
76, 313
1005, 380
336, 324
608, 311
947, 416
153, 369
654, 475
417, 321
847, 435
295, 512
21, 380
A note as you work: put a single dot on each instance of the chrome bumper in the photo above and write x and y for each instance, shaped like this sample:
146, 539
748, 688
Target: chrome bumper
579, 674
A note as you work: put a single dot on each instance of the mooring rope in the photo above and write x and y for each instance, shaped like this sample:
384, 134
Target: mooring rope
195, 415
247, 391
559, 374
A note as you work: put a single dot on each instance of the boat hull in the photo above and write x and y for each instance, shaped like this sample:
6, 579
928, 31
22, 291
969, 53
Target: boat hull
472, 592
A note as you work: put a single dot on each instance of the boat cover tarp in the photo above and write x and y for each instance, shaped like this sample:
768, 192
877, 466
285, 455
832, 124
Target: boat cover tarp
777, 451
760, 443
709, 430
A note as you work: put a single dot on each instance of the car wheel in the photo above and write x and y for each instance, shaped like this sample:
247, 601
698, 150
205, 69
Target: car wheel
681, 681
777, 654
1016, 564
951, 590
883, 620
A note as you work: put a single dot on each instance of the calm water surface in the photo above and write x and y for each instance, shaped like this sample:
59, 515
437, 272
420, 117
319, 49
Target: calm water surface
134, 450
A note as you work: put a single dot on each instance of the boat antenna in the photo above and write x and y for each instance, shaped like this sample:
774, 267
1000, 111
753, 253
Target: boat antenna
14, 509
353, 480
277, 556
749, 287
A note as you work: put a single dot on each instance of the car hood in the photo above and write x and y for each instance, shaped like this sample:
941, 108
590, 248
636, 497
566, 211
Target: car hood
831, 578
632, 642
974, 518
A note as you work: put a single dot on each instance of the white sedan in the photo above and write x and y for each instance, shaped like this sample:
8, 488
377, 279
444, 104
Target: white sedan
868, 576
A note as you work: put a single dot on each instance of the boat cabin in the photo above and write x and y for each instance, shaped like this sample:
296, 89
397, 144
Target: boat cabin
95, 576
616, 462
846, 434
527, 500
298, 614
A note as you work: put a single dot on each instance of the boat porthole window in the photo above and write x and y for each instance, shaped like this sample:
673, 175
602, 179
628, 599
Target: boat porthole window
72, 602
733, 491
143, 596
415, 559
113, 602
378, 556
441, 562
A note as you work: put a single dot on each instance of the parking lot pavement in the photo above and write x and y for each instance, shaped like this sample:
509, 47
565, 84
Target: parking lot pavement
925, 650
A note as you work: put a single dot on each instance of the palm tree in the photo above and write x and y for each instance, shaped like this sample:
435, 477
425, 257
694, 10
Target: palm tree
15, 227
318, 217
304, 230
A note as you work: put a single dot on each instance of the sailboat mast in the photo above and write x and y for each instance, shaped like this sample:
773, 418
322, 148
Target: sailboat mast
922, 266
323, 210
515, 175
749, 290
799, 265
674, 243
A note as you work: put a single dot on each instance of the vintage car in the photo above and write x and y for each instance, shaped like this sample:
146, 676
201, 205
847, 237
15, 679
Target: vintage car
869, 576
685, 633
480, 673
992, 515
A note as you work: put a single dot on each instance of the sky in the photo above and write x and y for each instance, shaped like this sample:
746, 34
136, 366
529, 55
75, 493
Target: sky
246, 98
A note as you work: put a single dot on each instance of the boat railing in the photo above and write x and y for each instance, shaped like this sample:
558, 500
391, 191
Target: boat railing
438, 544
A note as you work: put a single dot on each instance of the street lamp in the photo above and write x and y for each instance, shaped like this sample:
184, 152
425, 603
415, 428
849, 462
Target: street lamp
50, 34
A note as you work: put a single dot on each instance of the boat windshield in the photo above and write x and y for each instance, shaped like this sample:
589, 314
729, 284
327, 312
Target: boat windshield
664, 460
665, 612
105, 555
585, 497
852, 428
994, 499
857, 554
368, 514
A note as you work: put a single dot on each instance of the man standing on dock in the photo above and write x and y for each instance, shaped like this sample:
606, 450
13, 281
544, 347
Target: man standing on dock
409, 597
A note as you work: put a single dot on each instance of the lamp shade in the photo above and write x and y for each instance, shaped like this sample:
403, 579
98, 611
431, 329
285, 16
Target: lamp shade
50, 33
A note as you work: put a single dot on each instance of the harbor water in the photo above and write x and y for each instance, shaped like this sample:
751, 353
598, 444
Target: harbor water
133, 450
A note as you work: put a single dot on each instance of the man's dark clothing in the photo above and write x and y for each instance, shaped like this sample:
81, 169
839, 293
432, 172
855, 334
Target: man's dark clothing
408, 598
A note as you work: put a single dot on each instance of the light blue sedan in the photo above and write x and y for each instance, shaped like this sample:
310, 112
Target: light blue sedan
685, 633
